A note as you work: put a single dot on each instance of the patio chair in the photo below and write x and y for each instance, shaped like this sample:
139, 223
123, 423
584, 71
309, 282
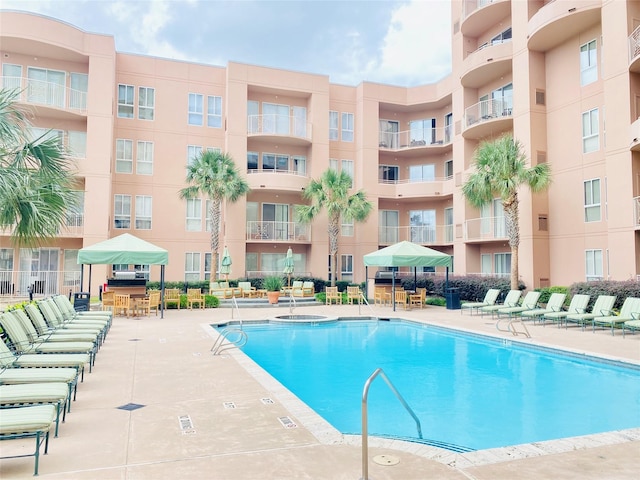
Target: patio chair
578, 304
489, 299
154, 301
217, 289
511, 300
122, 304
28, 422
107, 301
307, 289
380, 296
354, 294
194, 295
171, 296
248, 291
602, 308
556, 300
418, 298
401, 298
56, 394
332, 294
630, 311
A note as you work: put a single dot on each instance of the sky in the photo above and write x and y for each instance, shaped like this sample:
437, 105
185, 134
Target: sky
404, 43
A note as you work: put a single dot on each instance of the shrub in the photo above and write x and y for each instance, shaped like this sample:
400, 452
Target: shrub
620, 289
437, 301
470, 288
546, 292
272, 283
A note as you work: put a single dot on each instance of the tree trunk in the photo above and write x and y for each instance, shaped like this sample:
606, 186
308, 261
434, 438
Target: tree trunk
511, 214
215, 237
334, 232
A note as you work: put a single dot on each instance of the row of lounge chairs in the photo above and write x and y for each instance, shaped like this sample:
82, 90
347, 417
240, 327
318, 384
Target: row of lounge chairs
601, 314
43, 355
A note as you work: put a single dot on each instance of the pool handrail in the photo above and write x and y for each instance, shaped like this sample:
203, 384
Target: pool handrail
220, 346
365, 417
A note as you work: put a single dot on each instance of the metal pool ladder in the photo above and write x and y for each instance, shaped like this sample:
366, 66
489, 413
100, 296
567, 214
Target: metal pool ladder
230, 337
365, 419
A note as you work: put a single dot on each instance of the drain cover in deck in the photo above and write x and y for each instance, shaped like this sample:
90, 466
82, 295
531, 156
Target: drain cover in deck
388, 460
130, 406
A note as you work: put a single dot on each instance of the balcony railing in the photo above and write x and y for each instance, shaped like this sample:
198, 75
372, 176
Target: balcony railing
416, 137
487, 110
276, 170
18, 283
414, 180
485, 228
470, 6
422, 234
279, 125
47, 93
634, 44
278, 231
636, 211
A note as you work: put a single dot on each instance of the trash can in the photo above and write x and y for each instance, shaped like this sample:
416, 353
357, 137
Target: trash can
452, 296
81, 302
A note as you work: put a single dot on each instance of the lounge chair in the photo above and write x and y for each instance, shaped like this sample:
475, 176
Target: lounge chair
354, 294
630, 311
489, 299
43, 328
555, 303
332, 294
602, 308
28, 422
578, 304
511, 300
56, 394
70, 312
195, 296
529, 302
55, 319
54, 335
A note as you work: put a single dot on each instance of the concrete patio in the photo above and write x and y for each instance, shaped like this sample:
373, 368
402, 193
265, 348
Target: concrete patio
185, 427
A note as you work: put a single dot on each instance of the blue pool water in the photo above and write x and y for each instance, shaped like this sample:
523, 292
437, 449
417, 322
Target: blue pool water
466, 390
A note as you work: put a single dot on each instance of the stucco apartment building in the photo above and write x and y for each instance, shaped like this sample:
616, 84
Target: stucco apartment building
563, 76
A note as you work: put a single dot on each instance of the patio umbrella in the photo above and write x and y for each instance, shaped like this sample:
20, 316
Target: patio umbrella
225, 264
288, 264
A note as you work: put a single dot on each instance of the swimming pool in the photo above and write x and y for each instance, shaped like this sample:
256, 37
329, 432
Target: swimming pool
467, 390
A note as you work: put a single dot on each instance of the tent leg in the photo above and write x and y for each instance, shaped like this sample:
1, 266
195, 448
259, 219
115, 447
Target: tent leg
162, 291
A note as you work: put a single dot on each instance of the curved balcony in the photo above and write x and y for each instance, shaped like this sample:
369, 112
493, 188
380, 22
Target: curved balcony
636, 212
270, 179
487, 64
417, 140
53, 100
422, 234
438, 188
556, 22
273, 231
634, 141
634, 51
486, 118
485, 229
289, 130
478, 14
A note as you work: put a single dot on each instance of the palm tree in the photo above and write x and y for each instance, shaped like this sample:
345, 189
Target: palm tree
215, 176
331, 192
36, 177
501, 168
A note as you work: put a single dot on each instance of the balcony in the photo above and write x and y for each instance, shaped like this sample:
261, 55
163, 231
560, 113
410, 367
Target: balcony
53, 100
270, 179
485, 229
634, 51
478, 14
274, 231
418, 140
422, 234
487, 63
411, 188
636, 212
289, 130
74, 227
556, 22
486, 118
634, 140
18, 283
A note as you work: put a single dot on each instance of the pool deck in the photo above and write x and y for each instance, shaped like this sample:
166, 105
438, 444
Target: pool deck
222, 417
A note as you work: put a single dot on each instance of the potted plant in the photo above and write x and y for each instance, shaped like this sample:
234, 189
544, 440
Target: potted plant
272, 285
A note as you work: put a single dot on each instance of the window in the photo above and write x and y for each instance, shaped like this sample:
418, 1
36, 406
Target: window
333, 164
146, 103
485, 264
347, 127
502, 37
388, 173
253, 117
193, 151
388, 221
6, 265
592, 200
125, 101
299, 165
122, 211
11, 76
422, 173
388, 133
333, 125
271, 161
208, 225
124, 156
346, 227
214, 112
502, 101
252, 160
79, 83
590, 130
75, 212
196, 111
448, 169
448, 225
143, 212
347, 167
191, 267
593, 264
275, 118
588, 63
502, 263
42, 134
346, 267
422, 226
207, 266
194, 215
77, 144
46, 86
144, 158
422, 132
143, 269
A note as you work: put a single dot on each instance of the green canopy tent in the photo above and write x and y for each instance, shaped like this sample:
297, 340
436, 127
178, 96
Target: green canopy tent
406, 254
124, 249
